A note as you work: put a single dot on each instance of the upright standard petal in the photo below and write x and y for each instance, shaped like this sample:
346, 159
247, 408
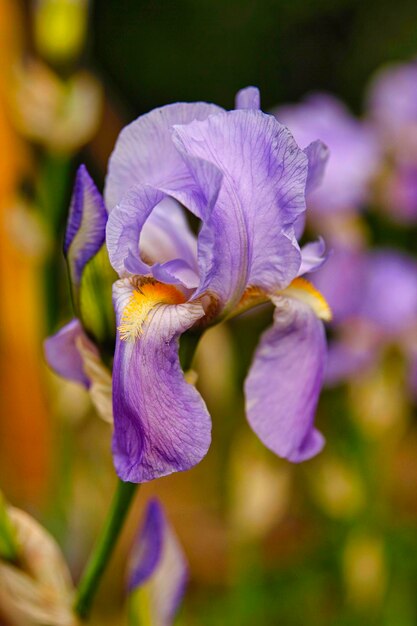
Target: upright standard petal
248, 98
354, 150
166, 235
124, 228
158, 569
248, 238
318, 155
161, 422
86, 227
284, 382
144, 153
313, 256
148, 231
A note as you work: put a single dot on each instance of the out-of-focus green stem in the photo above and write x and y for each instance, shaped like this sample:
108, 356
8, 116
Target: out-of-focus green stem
52, 192
104, 548
53, 187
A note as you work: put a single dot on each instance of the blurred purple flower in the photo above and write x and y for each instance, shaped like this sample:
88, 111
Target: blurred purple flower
354, 151
243, 175
157, 568
400, 192
392, 104
374, 294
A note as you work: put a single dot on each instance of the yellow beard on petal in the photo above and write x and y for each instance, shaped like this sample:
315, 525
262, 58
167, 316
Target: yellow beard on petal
303, 290
146, 296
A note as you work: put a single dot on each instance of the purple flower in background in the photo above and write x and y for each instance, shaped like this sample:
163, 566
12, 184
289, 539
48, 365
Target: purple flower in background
157, 570
392, 104
399, 193
374, 294
244, 177
354, 152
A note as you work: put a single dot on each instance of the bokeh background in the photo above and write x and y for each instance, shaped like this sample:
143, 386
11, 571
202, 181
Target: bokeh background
330, 542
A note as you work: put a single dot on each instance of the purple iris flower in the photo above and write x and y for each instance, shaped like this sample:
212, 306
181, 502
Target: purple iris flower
158, 570
242, 174
392, 104
354, 152
374, 294
399, 192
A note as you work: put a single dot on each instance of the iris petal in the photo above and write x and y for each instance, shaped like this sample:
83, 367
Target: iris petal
148, 233
248, 98
144, 154
161, 422
248, 238
354, 151
63, 356
318, 155
284, 382
313, 256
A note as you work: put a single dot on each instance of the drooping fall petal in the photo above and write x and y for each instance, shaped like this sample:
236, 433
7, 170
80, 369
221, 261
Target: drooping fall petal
161, 422
284, 382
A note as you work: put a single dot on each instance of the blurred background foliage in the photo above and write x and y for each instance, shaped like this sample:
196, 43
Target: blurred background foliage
330, 543
154, 52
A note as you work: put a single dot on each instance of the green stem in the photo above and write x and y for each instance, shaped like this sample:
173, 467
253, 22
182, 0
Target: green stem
104, 548
52, 196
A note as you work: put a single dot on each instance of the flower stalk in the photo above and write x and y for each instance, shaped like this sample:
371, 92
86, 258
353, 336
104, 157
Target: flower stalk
104, 547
